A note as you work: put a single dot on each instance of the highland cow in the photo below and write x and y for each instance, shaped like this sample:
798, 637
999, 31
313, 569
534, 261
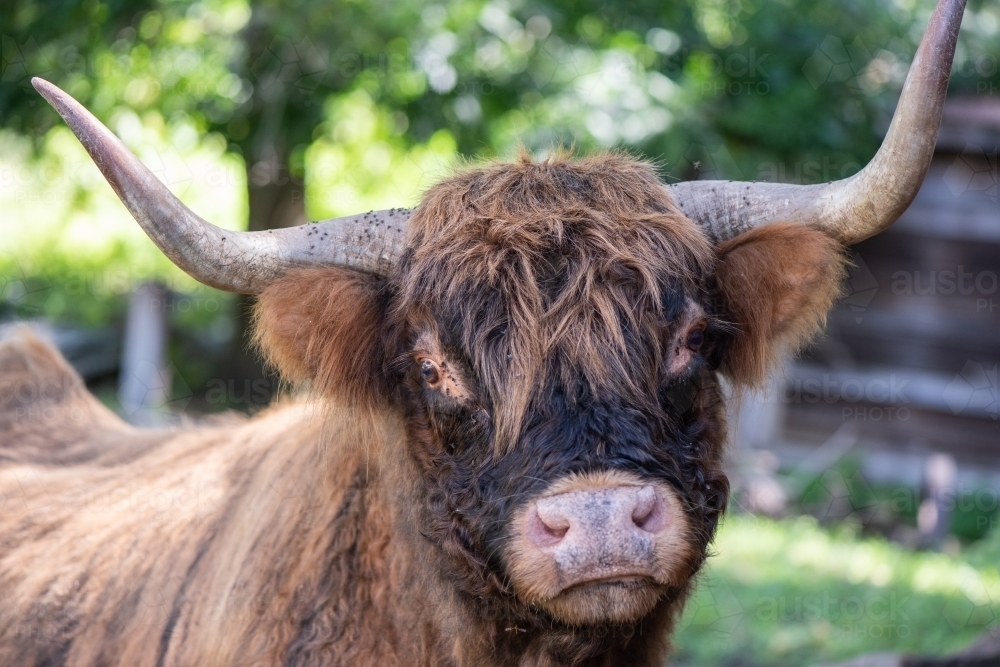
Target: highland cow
511, 453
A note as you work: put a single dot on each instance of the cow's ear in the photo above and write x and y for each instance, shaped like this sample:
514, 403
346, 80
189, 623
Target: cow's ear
777, 283
326, 326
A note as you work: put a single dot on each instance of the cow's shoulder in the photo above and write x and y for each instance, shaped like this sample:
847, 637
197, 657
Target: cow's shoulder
44, 403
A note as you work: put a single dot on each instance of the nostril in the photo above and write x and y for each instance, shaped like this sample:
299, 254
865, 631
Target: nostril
546, 527
649, 514
556, 531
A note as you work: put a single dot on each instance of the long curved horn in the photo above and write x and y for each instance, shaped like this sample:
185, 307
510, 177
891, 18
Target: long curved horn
868, 202
244, 262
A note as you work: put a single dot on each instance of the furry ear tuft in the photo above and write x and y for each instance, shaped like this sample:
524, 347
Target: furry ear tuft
778, 284
326, 326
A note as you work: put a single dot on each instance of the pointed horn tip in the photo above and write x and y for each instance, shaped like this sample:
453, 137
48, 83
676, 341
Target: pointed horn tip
52, 93
43, 87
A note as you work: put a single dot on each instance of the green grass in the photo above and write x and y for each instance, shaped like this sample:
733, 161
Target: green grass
793, 593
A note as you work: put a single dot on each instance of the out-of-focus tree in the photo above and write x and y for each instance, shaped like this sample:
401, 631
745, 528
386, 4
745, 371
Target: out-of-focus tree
737, 85
325, 101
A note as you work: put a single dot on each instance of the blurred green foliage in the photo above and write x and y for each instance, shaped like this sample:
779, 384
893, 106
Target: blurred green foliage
772, 82
841, 495
790, 593
260, 111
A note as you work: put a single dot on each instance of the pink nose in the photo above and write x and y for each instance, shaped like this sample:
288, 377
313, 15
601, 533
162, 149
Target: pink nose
599, 533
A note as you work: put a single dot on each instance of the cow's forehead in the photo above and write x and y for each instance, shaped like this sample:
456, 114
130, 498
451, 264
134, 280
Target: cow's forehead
530, 234
560, 268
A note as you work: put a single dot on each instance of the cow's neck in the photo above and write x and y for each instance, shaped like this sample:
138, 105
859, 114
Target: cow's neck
451, 628
334, 569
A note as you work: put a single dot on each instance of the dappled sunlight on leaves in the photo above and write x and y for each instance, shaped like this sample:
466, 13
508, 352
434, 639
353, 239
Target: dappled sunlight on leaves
361, 162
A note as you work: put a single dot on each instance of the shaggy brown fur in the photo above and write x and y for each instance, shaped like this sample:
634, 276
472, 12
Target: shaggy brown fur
604, 232
561, 297
233, 545
778, 283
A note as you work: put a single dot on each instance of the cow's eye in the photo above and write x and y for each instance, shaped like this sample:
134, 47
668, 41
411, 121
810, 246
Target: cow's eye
429, 372
695, 339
